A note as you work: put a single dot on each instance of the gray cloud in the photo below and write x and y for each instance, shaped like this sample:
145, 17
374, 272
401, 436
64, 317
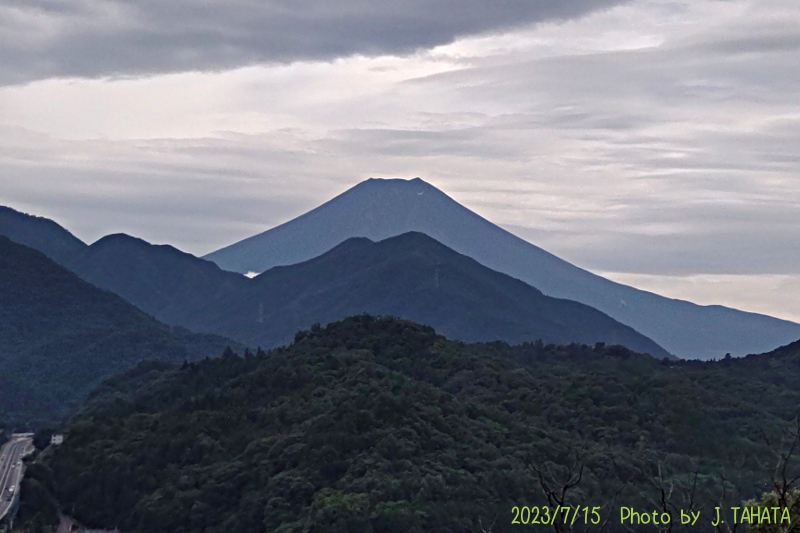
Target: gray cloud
91, 38
661, 154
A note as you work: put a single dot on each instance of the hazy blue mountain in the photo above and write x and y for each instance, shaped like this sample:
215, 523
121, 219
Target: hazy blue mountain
163, 281
180, 289
40, 234
410, 276
378, 209
60, 336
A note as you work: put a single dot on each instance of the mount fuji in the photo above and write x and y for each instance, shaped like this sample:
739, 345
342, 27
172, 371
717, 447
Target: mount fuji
381, 208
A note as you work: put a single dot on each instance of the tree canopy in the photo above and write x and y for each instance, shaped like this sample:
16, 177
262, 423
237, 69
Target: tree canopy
381, 425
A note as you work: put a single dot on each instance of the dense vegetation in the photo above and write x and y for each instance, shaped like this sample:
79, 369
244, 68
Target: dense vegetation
38, 509
380, 425
60, 336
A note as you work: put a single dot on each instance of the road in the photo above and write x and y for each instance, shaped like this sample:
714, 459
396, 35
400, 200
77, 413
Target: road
11, 469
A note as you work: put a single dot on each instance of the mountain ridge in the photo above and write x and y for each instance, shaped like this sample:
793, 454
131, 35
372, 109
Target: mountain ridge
40, 233
167, 280
379, 209
410, 275
60, 336
683, 328
455, 284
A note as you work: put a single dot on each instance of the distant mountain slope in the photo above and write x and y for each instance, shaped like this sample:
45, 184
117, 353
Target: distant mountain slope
40, 234
60, 336
411, 276
378, 209
161, 280
790, 350
456, 295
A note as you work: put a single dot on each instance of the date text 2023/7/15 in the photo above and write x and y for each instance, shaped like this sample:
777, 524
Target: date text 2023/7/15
564, 515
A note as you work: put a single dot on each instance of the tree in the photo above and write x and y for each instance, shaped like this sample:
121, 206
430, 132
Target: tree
784, 498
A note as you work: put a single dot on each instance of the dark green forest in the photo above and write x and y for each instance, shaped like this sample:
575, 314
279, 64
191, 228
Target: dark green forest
381, 425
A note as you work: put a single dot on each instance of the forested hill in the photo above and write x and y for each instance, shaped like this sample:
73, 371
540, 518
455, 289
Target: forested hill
40, 234
412, 276
173, 286
380, 425
60, 336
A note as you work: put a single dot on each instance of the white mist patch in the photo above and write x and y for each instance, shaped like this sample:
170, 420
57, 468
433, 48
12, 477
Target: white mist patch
252, 274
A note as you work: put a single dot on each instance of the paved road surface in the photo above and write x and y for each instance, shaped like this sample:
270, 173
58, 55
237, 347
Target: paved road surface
11, 469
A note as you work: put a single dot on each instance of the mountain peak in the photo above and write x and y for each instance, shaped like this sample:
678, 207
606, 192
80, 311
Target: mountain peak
382, 208
119, 238
388, 186
412, 276
376, 208
39, 233
394, 180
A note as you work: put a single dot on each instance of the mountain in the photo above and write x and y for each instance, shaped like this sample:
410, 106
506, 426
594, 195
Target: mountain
40, 234
380, 425
415, 277
60, 336
159, 279
410, 276
456, 295
379, 209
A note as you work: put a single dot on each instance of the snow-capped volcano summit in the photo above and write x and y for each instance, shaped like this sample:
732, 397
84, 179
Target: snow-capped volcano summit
383, 208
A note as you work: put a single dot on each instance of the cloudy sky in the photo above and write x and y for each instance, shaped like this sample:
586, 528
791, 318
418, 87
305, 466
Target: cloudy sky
656, 142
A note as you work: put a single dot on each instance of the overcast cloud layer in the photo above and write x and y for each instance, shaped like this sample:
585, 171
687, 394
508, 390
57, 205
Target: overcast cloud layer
45, 38
655, 141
